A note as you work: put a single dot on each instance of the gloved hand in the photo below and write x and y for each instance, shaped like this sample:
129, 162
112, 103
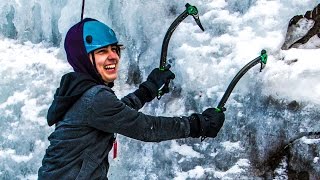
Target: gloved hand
207, 124
156, 80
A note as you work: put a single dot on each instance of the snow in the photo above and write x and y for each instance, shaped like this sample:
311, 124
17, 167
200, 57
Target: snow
289, 80
25, 97
313, 43
231, 146
197, 172
310, 141
281, 171
12, 154
236, 169
184, 150
204, 63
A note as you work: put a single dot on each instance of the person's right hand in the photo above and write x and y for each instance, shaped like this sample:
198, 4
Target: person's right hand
207, 124
156, 80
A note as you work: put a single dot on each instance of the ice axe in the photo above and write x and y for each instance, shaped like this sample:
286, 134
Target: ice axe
190, 10
262, 59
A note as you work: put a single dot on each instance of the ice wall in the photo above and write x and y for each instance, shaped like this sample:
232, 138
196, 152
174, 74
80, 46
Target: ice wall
263, 114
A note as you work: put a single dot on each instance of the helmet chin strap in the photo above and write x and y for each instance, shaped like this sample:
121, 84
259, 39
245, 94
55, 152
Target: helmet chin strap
111, 84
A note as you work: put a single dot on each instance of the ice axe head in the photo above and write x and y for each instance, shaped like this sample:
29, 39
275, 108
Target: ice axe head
193, 11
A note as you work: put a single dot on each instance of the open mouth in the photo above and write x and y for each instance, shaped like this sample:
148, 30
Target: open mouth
110, 67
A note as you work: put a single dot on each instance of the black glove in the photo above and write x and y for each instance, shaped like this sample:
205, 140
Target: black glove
155, 81
207, 124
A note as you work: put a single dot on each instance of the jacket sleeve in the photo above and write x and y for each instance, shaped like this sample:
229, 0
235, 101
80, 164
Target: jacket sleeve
138, 98
111, 115
132, 101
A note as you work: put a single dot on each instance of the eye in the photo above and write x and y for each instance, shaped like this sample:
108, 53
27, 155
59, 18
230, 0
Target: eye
101, 51
114, 48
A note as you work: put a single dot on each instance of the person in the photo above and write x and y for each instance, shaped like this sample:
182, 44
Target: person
86, 112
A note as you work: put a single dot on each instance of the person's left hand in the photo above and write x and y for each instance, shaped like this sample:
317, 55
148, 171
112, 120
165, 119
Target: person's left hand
157, 80
206, 124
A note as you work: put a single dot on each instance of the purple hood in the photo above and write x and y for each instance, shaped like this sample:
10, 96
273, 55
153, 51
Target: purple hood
76, 52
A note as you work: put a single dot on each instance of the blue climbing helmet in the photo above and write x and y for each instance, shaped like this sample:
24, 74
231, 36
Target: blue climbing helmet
97, 35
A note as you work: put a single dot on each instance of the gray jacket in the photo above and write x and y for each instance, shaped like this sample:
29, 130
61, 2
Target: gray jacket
82, 139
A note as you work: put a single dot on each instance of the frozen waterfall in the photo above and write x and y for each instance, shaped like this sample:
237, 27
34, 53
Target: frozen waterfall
265, 111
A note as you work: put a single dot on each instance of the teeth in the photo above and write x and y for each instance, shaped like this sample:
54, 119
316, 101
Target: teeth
110, 66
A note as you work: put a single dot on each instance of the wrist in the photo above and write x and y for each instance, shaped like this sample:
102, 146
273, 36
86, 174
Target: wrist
194, 126
150, 90
142, 95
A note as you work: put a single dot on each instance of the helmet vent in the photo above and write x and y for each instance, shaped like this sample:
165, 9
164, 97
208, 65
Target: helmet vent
89, 39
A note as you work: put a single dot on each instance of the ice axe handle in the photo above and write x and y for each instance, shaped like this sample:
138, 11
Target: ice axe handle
260, 59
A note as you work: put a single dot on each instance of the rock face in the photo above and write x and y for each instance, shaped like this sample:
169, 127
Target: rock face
304, 31
300, 157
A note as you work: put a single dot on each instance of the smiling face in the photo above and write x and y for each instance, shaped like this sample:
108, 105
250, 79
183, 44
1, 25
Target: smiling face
107, 62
